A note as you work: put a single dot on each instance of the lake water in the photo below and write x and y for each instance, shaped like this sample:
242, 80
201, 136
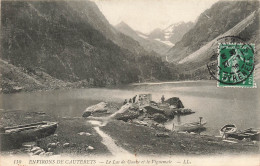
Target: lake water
217, 106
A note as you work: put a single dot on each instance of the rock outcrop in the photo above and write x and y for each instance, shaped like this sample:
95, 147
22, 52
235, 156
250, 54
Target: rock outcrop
182, 111
128, 112
175, 101
160, 118
128, 115
98, 108
153, 110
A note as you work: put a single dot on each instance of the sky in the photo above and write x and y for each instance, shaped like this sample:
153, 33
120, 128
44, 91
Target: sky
147, 15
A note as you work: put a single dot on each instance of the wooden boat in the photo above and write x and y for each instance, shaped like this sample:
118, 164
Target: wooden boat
189, 127
250, 133
13, 137
227, 129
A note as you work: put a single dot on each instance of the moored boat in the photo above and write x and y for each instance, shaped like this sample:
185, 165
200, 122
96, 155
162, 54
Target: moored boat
189, 127
228, 129
250, 133
13, 137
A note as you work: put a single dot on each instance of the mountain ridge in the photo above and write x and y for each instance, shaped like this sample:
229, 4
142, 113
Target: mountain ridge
194, 66
221, 17
175, 32
56, 38
172, 33
149, 45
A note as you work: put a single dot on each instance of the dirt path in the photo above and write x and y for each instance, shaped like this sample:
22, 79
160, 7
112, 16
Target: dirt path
110, 144
106, 139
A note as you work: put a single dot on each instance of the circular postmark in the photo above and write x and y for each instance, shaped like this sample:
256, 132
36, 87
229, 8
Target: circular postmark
233, 64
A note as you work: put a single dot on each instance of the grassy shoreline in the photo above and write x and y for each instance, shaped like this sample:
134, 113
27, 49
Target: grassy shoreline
143, 140
137, 139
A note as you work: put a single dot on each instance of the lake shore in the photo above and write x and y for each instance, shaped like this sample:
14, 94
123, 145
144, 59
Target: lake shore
136, 139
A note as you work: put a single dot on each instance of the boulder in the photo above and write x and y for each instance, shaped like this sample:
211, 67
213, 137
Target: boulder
138, 122
153, 110
48, 153
141, 118
84, 133
175, 101
90, 148
52, 145
160, 118
42, 154
29, 145
160, 126
86, 114
81, 133
127, 115
169, 113
98, 108
141, 110
150, 122
162, 134
50, 149
183, 146
182, 111
36, 148
38, 152
66, 145
153, 103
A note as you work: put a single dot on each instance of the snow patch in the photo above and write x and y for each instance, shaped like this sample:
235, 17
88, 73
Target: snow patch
165, 42
143, 36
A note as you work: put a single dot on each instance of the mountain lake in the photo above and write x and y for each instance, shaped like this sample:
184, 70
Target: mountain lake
217, 106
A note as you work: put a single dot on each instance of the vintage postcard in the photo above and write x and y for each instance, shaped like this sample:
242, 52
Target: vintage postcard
129, 82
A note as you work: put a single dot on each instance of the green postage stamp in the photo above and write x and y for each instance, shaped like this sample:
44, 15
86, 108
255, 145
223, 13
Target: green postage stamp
236, 65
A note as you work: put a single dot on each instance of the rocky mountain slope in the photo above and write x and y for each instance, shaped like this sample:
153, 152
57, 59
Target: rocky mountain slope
14, 79
217, 20
72, 41
89, 11
194, 65
175, 32
171, 34
157, 34
203, 54
145, 42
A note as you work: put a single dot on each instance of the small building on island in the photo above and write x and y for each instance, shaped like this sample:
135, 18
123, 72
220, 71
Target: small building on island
144, 99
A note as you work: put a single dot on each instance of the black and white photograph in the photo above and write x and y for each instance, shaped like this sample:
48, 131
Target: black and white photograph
129, 82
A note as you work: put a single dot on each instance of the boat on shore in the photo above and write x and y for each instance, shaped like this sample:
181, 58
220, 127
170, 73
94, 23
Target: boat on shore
250, 133
227, 129
13, 137
191, 127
